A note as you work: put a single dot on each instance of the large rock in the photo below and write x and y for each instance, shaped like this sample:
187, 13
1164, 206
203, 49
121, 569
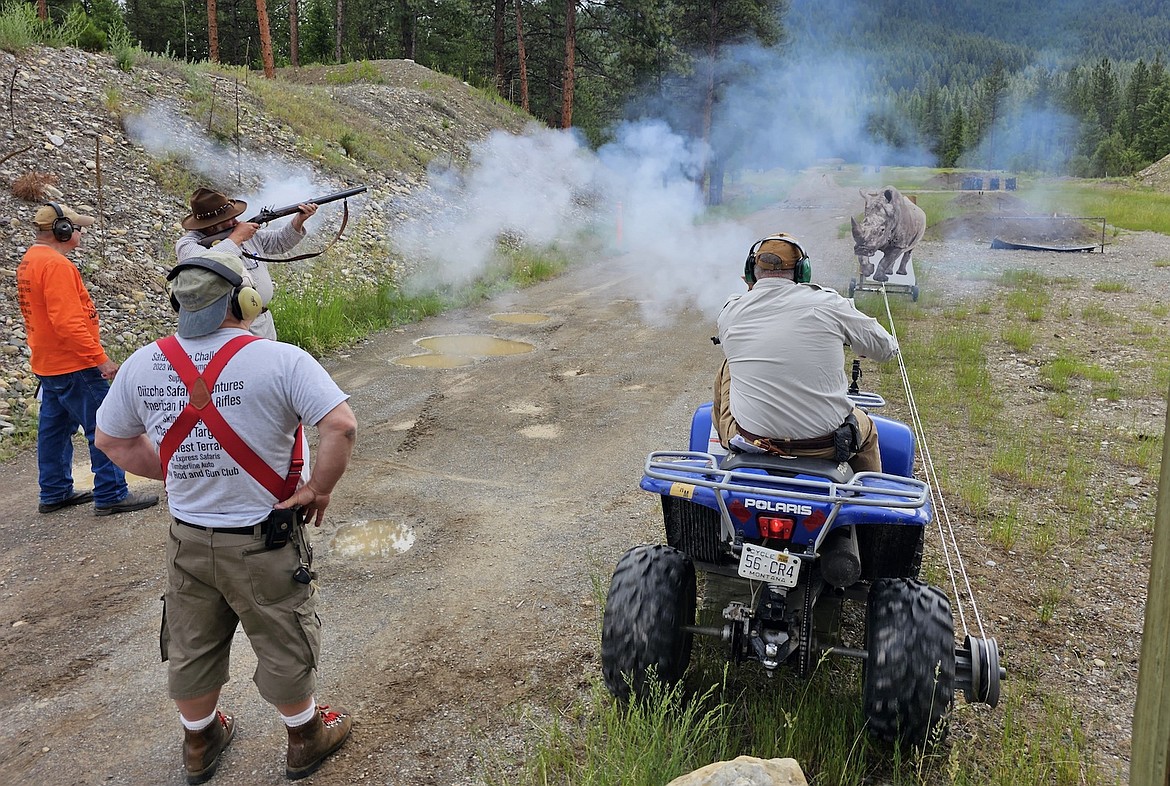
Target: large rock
745, 771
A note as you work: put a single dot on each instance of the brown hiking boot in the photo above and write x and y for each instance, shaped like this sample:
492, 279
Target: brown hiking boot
201, 749
310, 744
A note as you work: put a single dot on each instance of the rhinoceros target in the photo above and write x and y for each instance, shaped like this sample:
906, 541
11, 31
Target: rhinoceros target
893, 225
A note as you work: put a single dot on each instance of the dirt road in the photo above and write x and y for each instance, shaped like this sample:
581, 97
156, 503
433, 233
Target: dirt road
458, 564
516, 477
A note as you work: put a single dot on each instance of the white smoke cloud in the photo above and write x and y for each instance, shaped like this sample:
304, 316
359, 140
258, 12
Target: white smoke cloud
776, 109
260, 179
547, 187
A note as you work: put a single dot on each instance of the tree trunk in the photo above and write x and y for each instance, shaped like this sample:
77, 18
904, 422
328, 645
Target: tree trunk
340, 26
212, 33
570, 64
522, 54
42, 9
709, 91
294, 42
265, 40
498, 12
406, 29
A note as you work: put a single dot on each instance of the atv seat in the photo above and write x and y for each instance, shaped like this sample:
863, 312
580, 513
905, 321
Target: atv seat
789, 466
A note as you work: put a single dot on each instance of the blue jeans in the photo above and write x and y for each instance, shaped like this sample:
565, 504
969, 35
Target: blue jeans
69, 401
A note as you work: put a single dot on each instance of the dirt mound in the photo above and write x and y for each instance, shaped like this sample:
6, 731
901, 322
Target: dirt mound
988, 215
945, 181
1156, 175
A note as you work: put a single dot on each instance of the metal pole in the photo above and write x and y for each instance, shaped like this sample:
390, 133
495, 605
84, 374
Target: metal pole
1150, 765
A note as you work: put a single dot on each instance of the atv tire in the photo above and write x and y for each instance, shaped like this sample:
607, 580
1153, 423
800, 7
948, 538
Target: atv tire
651, 598
909, 677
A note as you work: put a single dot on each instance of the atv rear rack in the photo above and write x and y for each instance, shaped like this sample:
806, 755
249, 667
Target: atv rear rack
685, 470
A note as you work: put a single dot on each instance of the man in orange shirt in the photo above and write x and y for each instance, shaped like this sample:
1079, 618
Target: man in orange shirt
61, 325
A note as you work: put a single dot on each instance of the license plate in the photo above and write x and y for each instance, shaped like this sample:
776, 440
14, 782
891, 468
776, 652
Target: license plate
774, 567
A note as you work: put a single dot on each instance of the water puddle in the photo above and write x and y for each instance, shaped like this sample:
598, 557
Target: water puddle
456, 350
83, 475
376, 538
520, 317
475, 345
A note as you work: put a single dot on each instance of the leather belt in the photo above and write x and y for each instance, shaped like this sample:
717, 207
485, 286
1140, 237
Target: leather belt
812, 443
263, 527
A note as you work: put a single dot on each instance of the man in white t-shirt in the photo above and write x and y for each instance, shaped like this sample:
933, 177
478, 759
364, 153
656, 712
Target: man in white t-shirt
227, 440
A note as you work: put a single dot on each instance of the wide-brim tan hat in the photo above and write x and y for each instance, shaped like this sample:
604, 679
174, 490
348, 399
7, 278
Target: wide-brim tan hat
209, 208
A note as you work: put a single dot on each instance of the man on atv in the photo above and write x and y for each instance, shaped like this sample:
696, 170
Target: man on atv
782, 388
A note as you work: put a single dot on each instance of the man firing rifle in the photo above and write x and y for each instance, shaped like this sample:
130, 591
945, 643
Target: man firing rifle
213, 221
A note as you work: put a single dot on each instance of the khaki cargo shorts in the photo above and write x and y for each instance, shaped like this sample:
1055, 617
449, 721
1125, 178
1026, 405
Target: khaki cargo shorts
218, 580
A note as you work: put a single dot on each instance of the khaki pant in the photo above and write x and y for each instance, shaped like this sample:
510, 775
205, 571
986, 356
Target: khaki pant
868, 459
216, 581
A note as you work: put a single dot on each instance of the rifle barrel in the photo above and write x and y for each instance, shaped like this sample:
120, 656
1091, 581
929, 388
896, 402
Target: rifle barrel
271, 214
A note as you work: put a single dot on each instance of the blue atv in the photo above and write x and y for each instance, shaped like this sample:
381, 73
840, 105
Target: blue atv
784, 543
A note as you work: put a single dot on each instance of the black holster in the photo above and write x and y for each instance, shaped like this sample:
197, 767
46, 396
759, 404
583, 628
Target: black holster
280, 526
847, 439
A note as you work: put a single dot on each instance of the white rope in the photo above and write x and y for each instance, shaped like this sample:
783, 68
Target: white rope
946, 529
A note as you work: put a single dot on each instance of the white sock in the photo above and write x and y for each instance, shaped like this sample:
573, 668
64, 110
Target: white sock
302, 718
198, 725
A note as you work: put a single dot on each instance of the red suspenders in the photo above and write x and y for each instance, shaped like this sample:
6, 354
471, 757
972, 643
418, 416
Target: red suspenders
201, 407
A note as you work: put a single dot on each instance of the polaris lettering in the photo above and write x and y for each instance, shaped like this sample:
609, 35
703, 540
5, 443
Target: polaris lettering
779, 507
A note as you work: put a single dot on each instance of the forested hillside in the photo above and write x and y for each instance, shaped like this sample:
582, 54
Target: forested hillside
1053, 86
1062, 86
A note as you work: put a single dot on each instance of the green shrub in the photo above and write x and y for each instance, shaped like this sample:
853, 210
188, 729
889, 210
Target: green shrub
19, 27
91, 39
125, 52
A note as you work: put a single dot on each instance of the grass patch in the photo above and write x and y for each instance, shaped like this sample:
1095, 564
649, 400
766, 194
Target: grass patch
24, 430
1099, 314
1024, 279
1060, 373
1005, 528
172, 175
1019, 338
1062, 405
356, 71
1012, 461
1124, 205
939, 207
1028, 303
729, 712
331, 316
320, 123
1110, 286
974, 492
